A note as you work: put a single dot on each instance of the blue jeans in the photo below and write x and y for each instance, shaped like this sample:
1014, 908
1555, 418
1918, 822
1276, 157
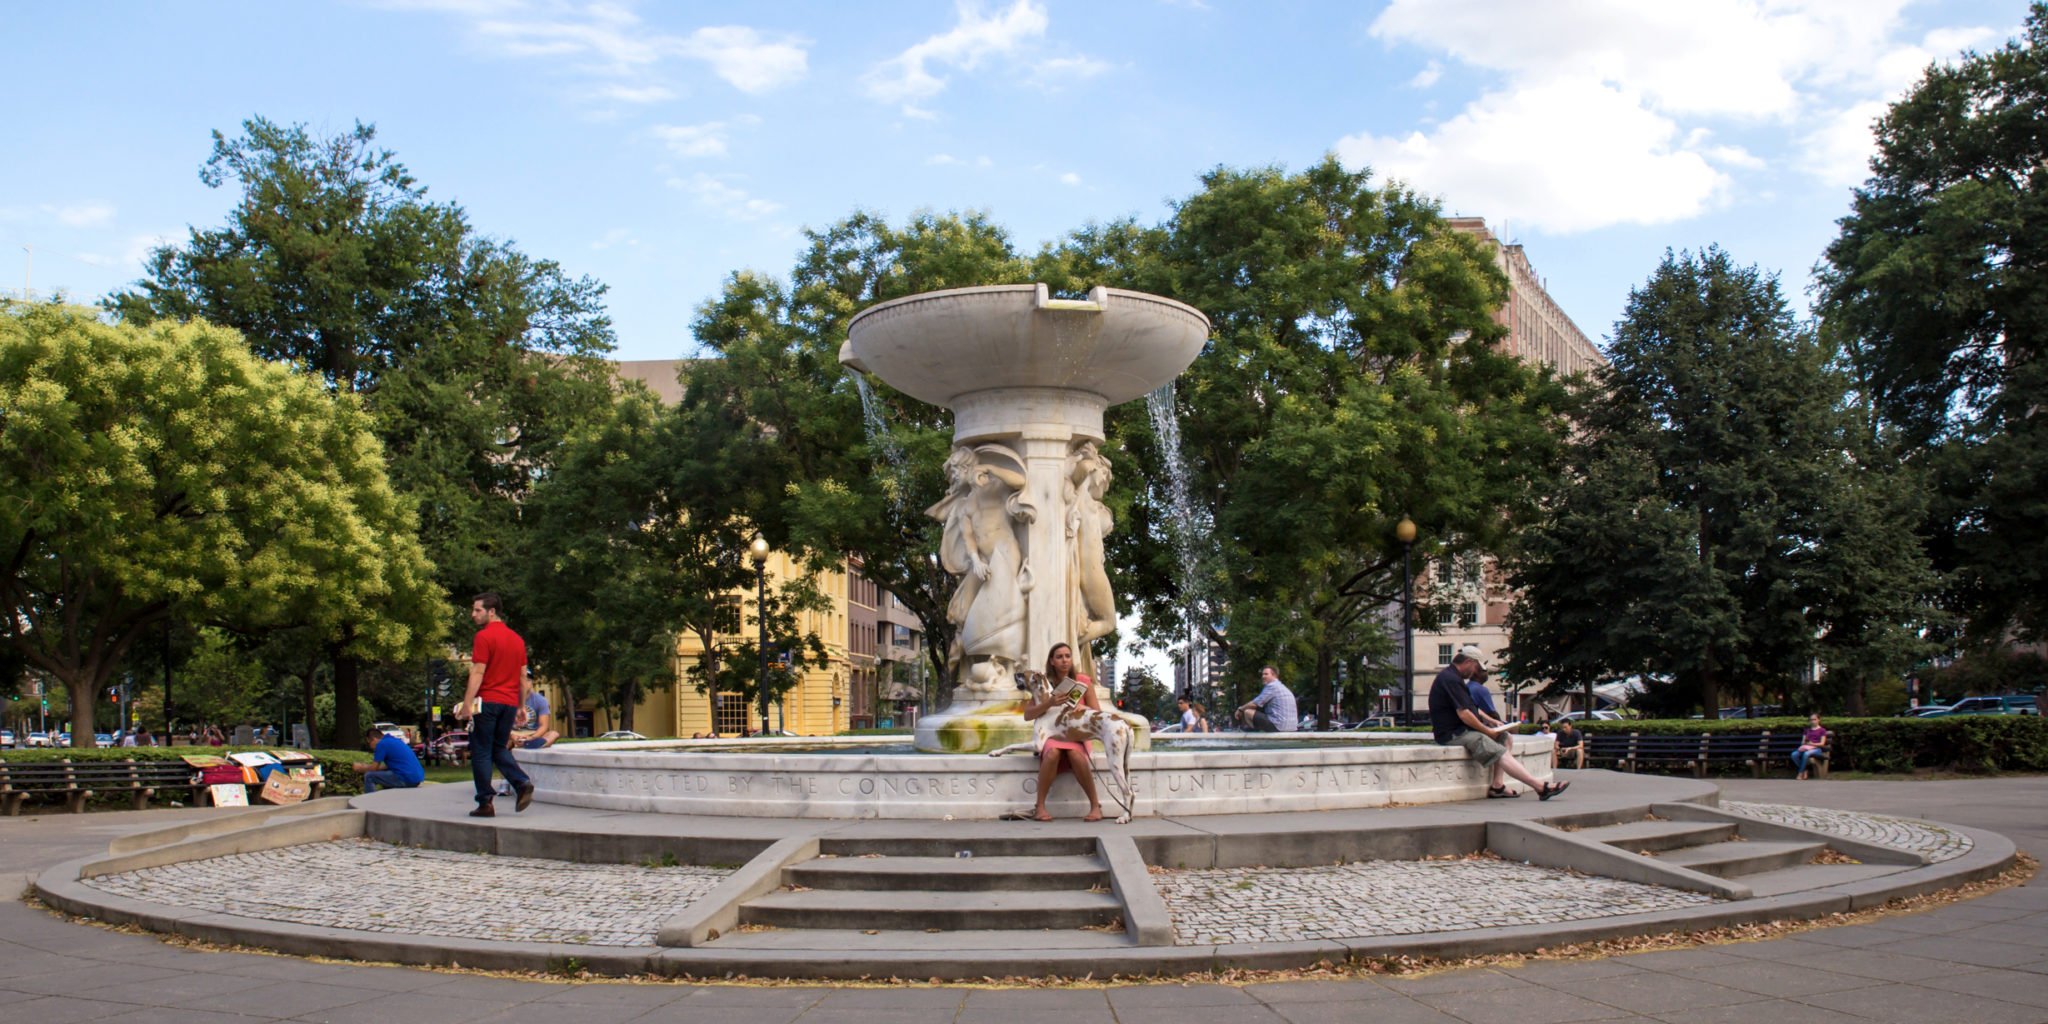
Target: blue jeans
491, 742
1801, 757
386, 779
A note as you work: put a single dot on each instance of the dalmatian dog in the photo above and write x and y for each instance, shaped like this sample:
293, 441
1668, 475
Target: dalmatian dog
1079, 723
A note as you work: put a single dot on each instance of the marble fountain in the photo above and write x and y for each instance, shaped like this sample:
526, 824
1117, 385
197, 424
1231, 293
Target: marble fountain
1028, 378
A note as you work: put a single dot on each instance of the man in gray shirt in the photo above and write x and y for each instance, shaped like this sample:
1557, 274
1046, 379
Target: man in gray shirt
1273, 709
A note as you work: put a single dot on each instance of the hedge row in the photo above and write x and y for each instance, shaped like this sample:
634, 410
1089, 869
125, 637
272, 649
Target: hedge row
1966, 743
342, 779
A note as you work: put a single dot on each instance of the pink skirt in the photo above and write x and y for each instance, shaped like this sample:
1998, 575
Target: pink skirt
1052, 745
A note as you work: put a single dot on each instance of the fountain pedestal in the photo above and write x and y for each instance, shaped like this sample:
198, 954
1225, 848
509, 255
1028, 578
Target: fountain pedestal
1028, 378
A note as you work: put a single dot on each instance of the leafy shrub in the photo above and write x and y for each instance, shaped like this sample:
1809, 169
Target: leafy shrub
1966, 743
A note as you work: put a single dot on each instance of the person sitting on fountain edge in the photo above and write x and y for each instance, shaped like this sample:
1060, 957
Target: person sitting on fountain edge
1066, 689
1454, 721
1273, 710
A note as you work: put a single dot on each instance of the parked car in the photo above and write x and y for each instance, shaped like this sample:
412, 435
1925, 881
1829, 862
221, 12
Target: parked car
103, 740
6, 739
38, 739
622, 734
63, 739
1602, 715
1762, 711
1923, 710
2002, 704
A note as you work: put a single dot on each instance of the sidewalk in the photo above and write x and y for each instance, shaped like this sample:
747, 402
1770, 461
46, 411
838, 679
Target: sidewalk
1981, 961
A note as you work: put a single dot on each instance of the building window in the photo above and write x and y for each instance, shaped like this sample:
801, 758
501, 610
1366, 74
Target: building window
732, 714
1468, 614
1443, 654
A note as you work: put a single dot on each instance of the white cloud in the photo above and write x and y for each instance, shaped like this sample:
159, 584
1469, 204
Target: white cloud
691, 140
1427, 76
725, 198
1601, 109
905, 77
1070, 178
636, 93
611, 41
747, 60
1059, 72
81, 215
1839, 151
1566, 155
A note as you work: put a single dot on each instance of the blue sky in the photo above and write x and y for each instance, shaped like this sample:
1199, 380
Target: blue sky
659, 147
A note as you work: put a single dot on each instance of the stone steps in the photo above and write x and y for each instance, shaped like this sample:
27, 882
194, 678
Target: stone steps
980, 844
917, 910
1813, 876
1657, 836
1730, 859
833, 940
951, 874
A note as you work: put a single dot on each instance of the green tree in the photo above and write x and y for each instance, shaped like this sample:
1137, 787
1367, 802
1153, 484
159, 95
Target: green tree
792, 445
1141, 693
164, 471
1937, 288
1720, 523
473, 358
635, 546
1352, 379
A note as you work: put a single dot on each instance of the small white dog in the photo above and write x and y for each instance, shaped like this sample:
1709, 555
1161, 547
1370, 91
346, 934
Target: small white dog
1079, 723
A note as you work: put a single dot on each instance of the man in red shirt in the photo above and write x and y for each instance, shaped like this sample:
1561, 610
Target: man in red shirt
497, 662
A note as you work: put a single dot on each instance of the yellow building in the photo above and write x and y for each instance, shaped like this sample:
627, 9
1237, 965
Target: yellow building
816, 706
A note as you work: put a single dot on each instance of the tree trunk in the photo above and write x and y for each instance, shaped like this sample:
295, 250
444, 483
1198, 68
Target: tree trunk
83, 688
632, 697
1325, 681
312, 721
348, 719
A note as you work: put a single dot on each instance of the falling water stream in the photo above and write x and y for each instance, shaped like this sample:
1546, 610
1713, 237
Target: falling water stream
1187, 522
884, 444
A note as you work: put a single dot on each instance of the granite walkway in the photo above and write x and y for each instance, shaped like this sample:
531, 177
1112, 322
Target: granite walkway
1984, 960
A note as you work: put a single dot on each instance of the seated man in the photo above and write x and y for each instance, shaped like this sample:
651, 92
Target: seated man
534, 730
1455, 722
394, 766
1571, 745
1273, 710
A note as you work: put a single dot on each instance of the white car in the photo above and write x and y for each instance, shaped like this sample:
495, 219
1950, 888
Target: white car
6, 739
622, 734
38, 739
1603, 715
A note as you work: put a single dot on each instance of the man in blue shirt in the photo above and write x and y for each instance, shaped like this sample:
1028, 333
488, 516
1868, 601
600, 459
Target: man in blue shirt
1273, 709
395, 766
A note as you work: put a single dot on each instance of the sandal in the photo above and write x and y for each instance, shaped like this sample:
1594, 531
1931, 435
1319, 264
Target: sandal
1551, 789
1502, 793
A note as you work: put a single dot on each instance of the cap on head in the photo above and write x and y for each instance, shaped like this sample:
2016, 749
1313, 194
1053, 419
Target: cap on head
1470, 652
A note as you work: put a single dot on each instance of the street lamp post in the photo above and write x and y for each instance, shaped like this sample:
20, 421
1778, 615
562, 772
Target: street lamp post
759, 552
1404, 531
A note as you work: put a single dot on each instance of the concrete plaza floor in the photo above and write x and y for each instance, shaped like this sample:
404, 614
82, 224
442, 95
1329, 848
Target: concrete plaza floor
1982, 960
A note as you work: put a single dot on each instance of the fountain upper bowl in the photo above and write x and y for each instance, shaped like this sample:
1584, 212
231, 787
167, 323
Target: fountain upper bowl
938, 346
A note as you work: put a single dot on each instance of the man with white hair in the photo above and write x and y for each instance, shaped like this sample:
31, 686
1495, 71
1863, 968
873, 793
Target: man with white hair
1456, 722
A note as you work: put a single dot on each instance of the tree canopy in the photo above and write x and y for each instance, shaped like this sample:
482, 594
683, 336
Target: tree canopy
473, 359
1720, 522
1936, 288
154, 472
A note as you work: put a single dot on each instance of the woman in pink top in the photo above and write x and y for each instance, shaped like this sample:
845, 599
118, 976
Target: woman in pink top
1066, 689
1815, 741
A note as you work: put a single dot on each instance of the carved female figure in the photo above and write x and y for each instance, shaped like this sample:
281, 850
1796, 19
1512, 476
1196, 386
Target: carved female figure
1092, 602
982, 510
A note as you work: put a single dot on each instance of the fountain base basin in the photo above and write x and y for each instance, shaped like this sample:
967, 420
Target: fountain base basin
1264, 776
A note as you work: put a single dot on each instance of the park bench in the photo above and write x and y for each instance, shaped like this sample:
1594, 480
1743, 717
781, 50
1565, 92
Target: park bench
1607, 746
1776, 750
75, 782
18, 782
1689, 751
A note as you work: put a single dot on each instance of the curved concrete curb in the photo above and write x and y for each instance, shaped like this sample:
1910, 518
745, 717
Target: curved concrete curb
936, 957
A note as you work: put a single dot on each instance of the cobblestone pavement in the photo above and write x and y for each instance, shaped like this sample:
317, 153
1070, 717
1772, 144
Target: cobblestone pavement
1392, 897
1937, 843
365, 885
